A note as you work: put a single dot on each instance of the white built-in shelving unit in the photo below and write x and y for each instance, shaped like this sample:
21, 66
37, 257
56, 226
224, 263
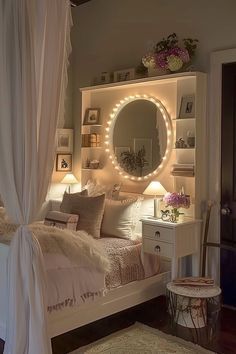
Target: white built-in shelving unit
169, 89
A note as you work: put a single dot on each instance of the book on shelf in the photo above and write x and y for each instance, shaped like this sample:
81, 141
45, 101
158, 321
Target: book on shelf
183, 173
182, 166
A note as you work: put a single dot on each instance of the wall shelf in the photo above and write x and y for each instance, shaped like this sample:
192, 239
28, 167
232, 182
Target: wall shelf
168, 89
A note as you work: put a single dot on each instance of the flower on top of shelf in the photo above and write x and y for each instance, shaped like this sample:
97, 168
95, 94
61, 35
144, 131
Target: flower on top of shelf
177, 200
169, 55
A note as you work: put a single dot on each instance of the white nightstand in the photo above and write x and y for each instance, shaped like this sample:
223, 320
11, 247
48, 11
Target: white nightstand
173, 241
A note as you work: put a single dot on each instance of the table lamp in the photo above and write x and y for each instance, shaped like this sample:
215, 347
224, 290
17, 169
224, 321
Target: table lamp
70, 179
155, 188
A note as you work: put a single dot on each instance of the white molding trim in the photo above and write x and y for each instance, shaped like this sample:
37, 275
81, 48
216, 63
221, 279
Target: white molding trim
214, 132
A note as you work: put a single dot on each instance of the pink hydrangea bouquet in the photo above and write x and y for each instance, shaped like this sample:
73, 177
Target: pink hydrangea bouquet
176, 201
169, 55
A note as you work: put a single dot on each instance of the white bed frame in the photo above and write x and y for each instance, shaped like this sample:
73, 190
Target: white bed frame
114, 301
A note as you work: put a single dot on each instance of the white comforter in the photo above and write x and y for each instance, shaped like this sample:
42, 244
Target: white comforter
75, 263
69, 284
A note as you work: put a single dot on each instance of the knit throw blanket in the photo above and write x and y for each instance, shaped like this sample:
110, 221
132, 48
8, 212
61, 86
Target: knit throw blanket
81, 248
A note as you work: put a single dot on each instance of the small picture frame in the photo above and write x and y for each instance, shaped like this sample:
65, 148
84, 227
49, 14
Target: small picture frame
104, 78
124, 75
64, 163
187, 107
92, 116
64, 140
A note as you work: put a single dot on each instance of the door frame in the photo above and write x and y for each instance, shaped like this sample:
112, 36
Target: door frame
218, 58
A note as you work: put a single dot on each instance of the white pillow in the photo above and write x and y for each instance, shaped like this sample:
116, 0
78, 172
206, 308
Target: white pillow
120, 217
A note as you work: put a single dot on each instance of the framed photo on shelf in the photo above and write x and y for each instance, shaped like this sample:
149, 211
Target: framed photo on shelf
187, 107
104, 78
124, 75
64, 140
64, 163
92, 116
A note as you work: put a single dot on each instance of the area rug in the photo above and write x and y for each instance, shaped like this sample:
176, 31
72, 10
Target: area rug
141, 339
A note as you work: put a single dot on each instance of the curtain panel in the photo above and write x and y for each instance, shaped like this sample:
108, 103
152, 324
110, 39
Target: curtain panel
34, 50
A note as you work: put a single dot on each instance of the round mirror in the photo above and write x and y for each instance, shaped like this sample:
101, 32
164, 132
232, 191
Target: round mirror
140, 134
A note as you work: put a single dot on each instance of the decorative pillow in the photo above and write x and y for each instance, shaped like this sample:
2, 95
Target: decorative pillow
90, 210
69, 199
94, 189
120, 217
61, 220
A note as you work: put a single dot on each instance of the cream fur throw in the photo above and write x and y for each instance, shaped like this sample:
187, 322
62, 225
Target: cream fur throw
78, 246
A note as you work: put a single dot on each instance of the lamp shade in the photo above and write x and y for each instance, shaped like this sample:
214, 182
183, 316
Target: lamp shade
69, 178
155, 188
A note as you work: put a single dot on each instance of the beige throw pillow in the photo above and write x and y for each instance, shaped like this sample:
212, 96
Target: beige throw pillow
69, 200
90, 211
120, 217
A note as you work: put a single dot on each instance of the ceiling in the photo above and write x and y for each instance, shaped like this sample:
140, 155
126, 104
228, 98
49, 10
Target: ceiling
78, 2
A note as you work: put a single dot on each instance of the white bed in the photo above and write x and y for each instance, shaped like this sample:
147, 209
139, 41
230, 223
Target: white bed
115, 300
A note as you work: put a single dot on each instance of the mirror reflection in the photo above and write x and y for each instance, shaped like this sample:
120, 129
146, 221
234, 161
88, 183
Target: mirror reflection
139, 137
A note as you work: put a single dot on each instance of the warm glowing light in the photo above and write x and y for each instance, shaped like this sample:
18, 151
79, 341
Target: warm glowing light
109, 130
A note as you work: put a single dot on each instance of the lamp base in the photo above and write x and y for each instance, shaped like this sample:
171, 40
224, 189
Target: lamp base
157, 208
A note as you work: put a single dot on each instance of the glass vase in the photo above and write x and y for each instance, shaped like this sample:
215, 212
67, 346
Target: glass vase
174, 216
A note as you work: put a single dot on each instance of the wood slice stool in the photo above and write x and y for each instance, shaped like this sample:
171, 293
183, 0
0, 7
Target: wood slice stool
196, 308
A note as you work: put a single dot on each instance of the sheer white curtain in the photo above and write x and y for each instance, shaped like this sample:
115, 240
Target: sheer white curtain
34, 49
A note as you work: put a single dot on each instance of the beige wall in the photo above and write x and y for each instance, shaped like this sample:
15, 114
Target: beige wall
110, 35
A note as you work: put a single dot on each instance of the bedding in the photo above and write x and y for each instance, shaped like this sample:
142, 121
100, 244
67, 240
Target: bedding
127, 261
90, 211
120, 217
80, 268
61, 220
70, 285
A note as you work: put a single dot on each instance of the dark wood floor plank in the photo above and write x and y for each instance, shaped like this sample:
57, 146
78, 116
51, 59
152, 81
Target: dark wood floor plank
152, 313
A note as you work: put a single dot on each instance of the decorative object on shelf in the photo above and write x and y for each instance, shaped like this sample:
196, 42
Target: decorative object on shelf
155, 188
104, 78
175, 201
64, 162
190, 139
187, 107
185, 170
170, 56
94, 164
124, 75
64, 140
69, 179
87, 163
91, 140
180, 144
92, 116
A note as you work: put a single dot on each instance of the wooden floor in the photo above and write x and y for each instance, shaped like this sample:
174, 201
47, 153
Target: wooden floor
153, 313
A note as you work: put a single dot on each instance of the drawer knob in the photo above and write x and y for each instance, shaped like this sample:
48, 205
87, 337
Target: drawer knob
157, 234
157, 249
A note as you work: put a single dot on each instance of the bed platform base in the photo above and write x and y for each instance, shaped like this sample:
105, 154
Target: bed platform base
114, 301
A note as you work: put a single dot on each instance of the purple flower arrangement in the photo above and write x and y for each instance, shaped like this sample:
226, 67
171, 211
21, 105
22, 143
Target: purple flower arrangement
176, 200
169, 55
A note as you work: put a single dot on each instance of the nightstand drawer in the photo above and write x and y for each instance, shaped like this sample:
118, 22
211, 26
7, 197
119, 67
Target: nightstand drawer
157, 233
158, 247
